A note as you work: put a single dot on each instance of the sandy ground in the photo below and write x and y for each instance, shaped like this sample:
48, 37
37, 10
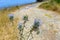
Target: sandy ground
50, 26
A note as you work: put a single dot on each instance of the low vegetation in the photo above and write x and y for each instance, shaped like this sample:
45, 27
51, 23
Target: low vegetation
8, 30
53, 5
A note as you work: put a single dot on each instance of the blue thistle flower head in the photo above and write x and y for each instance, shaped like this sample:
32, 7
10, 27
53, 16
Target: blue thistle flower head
37, 23
25, 18
11, 16
20, 26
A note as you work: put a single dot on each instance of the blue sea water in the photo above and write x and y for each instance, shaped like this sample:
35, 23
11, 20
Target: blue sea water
9, 3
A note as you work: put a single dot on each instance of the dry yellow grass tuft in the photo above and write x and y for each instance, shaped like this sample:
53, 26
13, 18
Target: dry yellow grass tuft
8, 31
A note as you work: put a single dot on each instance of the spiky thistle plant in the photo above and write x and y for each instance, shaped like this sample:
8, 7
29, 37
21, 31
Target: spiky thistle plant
21, 27
35, 27
37, 23
25, 18
11, 17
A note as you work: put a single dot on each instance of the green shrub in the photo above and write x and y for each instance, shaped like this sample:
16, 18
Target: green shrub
57, 1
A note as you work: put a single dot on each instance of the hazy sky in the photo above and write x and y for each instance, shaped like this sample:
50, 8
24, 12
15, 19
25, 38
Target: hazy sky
8, 3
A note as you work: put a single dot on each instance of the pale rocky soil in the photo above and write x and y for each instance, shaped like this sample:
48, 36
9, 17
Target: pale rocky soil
49, 29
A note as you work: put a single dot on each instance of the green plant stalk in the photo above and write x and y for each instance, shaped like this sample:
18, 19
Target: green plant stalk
29, 35
22, 31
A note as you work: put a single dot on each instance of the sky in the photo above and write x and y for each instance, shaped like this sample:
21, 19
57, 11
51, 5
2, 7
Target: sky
8, 3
